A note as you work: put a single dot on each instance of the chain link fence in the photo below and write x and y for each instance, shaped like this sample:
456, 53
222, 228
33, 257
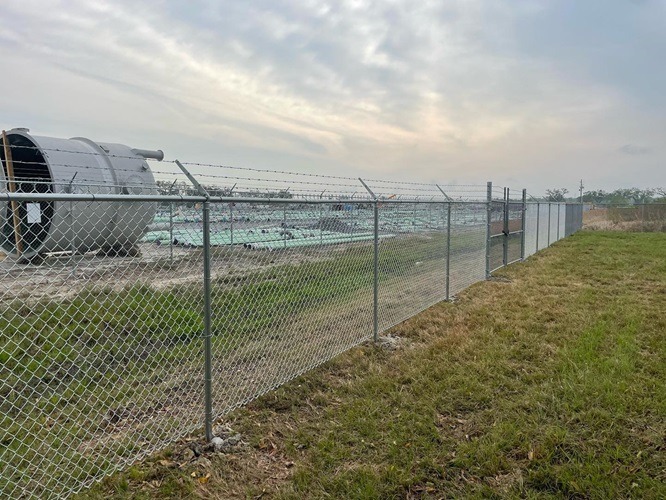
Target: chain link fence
636, 217
134, 314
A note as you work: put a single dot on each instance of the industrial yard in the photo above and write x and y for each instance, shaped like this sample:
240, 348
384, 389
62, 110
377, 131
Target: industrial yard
133, 315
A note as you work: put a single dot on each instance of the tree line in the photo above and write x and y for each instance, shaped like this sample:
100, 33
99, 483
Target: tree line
624, 196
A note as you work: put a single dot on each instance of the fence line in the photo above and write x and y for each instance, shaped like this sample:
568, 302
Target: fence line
627, 217
131, 320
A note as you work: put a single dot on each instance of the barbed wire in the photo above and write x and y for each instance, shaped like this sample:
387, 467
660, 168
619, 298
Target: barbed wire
92, 153
267, 182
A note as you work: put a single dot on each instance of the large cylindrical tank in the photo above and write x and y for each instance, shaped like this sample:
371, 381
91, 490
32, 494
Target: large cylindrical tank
77, 165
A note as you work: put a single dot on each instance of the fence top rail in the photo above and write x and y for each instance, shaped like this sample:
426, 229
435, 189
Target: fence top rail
110, 197
537, 202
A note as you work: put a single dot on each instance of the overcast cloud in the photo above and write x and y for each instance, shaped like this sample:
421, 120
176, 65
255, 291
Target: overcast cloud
532, 94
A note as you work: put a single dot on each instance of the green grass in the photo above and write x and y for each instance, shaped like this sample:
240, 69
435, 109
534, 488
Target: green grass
550, 384
68, 364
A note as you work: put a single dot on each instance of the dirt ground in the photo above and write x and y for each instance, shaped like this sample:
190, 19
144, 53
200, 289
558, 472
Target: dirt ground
66, 275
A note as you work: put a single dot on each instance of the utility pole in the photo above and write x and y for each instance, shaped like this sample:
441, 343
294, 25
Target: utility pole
581, 191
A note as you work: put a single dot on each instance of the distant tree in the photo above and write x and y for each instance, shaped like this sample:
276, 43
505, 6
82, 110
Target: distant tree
282, 193
643, 195
594, 196
558, 194
628, 196
660, 195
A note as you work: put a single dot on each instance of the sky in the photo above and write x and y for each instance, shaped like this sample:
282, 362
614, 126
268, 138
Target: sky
537, 94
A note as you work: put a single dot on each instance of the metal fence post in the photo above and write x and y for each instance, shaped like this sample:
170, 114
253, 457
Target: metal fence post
231, 222
549, 205
207, 334
376, 276
284, 226
448, 252
559, 209
375, 285
208, 347
505, 248
537, 228
70, 216
489, 209
523, 225
321, 218
171, 222
231, 216
351, 217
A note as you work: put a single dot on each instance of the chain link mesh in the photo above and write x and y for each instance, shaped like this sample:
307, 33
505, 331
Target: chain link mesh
100, 355
635, 217
103, 319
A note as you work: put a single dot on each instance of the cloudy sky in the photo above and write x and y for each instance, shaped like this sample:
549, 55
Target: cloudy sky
532, 94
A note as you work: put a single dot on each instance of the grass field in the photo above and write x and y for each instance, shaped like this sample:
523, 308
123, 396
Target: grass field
92, 381
546, 382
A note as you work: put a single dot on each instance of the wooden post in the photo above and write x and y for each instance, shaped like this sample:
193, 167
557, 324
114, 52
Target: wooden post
12, 189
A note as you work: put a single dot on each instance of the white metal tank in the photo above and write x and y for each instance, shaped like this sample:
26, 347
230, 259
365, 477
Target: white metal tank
77, 165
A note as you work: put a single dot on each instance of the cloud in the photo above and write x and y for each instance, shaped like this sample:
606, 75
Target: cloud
471, 89
634, 150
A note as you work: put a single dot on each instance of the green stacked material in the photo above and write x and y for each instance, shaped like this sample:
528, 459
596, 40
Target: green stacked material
329, 239
270, 239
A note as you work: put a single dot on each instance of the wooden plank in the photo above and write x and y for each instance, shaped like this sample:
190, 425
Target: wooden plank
12, 189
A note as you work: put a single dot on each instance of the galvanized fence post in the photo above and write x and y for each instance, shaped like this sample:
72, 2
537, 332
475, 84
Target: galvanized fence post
70, 216
284, 226
505, 247
448, 252
489, 208
376, 276
351, 217
208, 357
549, 223
321, 218
523, 225
207, 292
231, 222
375, 284
231, 216
448, 240
538, 217
171, 222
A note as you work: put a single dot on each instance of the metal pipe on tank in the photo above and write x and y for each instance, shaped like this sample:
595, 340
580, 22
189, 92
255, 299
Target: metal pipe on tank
149, 154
